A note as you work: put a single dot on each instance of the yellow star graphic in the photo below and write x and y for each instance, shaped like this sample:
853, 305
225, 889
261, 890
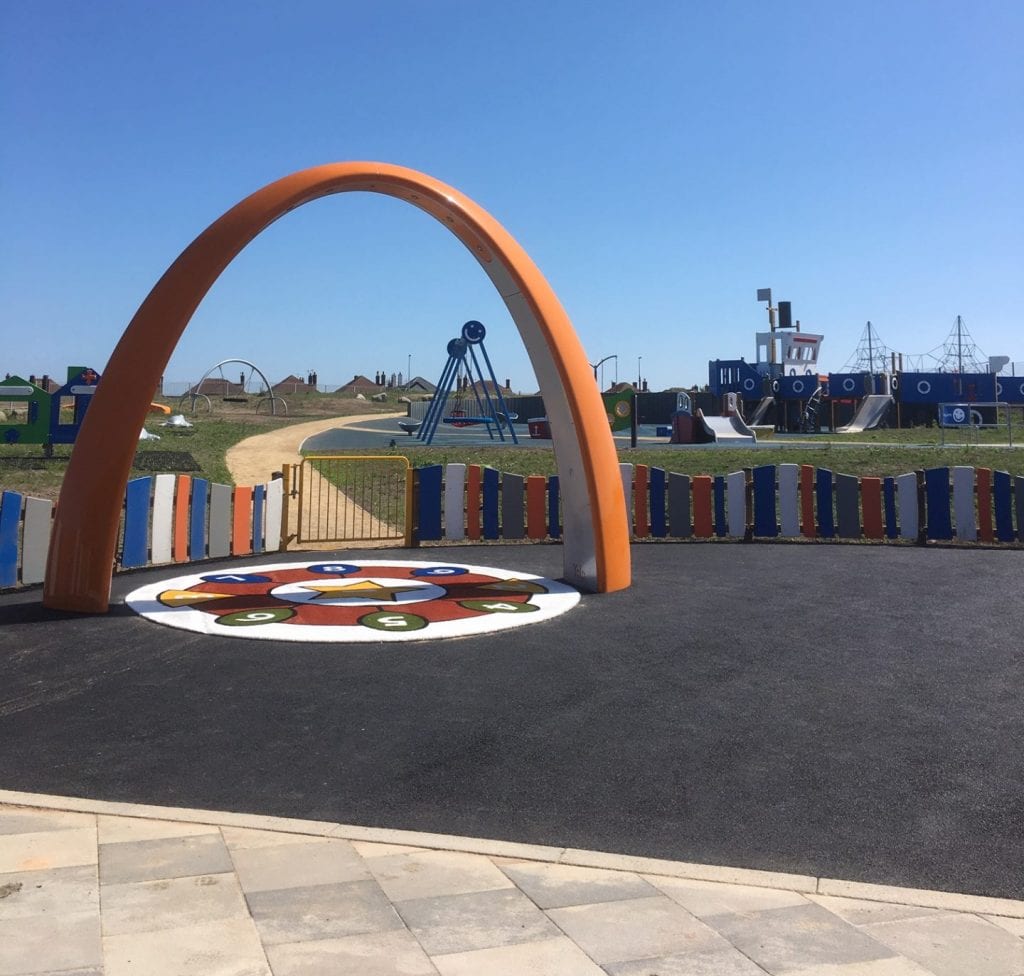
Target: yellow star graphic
364, 589
515, 586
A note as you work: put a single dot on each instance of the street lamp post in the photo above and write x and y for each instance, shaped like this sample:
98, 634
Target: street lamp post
601, 362
638, 379
408, 369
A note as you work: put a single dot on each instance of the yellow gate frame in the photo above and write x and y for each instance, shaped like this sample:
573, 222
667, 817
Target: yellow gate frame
596, 539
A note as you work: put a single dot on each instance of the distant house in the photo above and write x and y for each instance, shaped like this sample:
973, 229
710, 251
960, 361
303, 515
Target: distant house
419, 385
217, 386
293, 384
492, 389
44, 382
359, 384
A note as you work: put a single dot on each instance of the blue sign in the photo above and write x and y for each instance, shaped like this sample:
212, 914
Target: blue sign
955, 415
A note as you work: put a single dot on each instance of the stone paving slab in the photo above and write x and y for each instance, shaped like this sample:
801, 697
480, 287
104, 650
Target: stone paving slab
376, 907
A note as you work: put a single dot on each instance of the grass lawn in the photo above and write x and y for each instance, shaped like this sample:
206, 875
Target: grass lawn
878, 460
25, 469
877, 453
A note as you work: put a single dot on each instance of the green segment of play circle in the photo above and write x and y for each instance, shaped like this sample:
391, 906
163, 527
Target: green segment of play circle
392, 621
497, 606
254, 618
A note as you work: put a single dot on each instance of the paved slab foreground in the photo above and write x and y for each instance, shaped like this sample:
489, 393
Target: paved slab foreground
91, 893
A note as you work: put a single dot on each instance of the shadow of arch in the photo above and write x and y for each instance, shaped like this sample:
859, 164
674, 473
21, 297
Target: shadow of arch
596, 534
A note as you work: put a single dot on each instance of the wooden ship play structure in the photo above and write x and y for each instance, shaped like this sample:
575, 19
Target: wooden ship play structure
784, 389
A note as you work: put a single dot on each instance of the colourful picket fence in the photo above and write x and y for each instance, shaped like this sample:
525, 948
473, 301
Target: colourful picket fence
457, 502
167, 519
177, 519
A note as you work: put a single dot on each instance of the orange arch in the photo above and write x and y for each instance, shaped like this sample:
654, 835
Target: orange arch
596, 554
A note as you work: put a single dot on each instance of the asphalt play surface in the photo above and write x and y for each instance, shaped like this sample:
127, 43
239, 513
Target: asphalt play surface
847, 711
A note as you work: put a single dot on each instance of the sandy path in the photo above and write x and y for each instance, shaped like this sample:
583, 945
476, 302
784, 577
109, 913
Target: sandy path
254, 460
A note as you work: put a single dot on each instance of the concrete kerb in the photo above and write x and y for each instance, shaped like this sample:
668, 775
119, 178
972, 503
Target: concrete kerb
654, 867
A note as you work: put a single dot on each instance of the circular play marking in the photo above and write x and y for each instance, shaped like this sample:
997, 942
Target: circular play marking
369, 600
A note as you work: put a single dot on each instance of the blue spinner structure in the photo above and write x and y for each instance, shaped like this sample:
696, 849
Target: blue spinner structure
464, 384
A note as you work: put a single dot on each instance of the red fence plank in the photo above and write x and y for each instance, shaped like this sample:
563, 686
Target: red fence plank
984, 487
703, 521
474, 482
241, 522
871, 507
536, 506
181, 522
807, 500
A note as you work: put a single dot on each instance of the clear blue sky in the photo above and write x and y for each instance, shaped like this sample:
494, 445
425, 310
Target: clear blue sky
659, 161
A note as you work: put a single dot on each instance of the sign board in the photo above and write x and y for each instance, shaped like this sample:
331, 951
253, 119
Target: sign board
955, 415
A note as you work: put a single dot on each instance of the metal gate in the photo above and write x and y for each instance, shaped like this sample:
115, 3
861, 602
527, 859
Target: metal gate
348, 498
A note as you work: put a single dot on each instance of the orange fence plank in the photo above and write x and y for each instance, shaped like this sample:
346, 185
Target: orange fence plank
807, 500
984, 489
474, 481
642, 525
703, 522
181, 500
536, 503
871, 507
241, 522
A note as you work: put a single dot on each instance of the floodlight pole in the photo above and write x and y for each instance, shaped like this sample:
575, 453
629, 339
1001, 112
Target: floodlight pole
601, 362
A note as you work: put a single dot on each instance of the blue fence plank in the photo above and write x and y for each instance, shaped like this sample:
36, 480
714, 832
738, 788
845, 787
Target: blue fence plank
721, 522
490, 504
197, 519
10, 516
936, 489
554, 525
823, 493
766, 522
892, 529
1002, 498
257, 518
1019, 492
430, 502
135, 551
657, 511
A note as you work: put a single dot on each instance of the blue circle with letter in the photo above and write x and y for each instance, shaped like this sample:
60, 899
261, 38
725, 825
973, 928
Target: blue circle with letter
235, 578
333, 569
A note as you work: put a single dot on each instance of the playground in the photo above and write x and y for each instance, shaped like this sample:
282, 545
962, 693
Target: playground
803, 709
708, 714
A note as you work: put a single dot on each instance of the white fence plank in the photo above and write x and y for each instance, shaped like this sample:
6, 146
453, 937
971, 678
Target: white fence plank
36, 539
274, 508
736, 503
963, 503
906, 499
454, 502
163, 518
789, 499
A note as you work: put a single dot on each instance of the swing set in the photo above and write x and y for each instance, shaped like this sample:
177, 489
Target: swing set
463, 383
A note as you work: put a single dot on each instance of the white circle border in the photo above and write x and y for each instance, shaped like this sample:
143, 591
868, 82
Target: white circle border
560, 597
